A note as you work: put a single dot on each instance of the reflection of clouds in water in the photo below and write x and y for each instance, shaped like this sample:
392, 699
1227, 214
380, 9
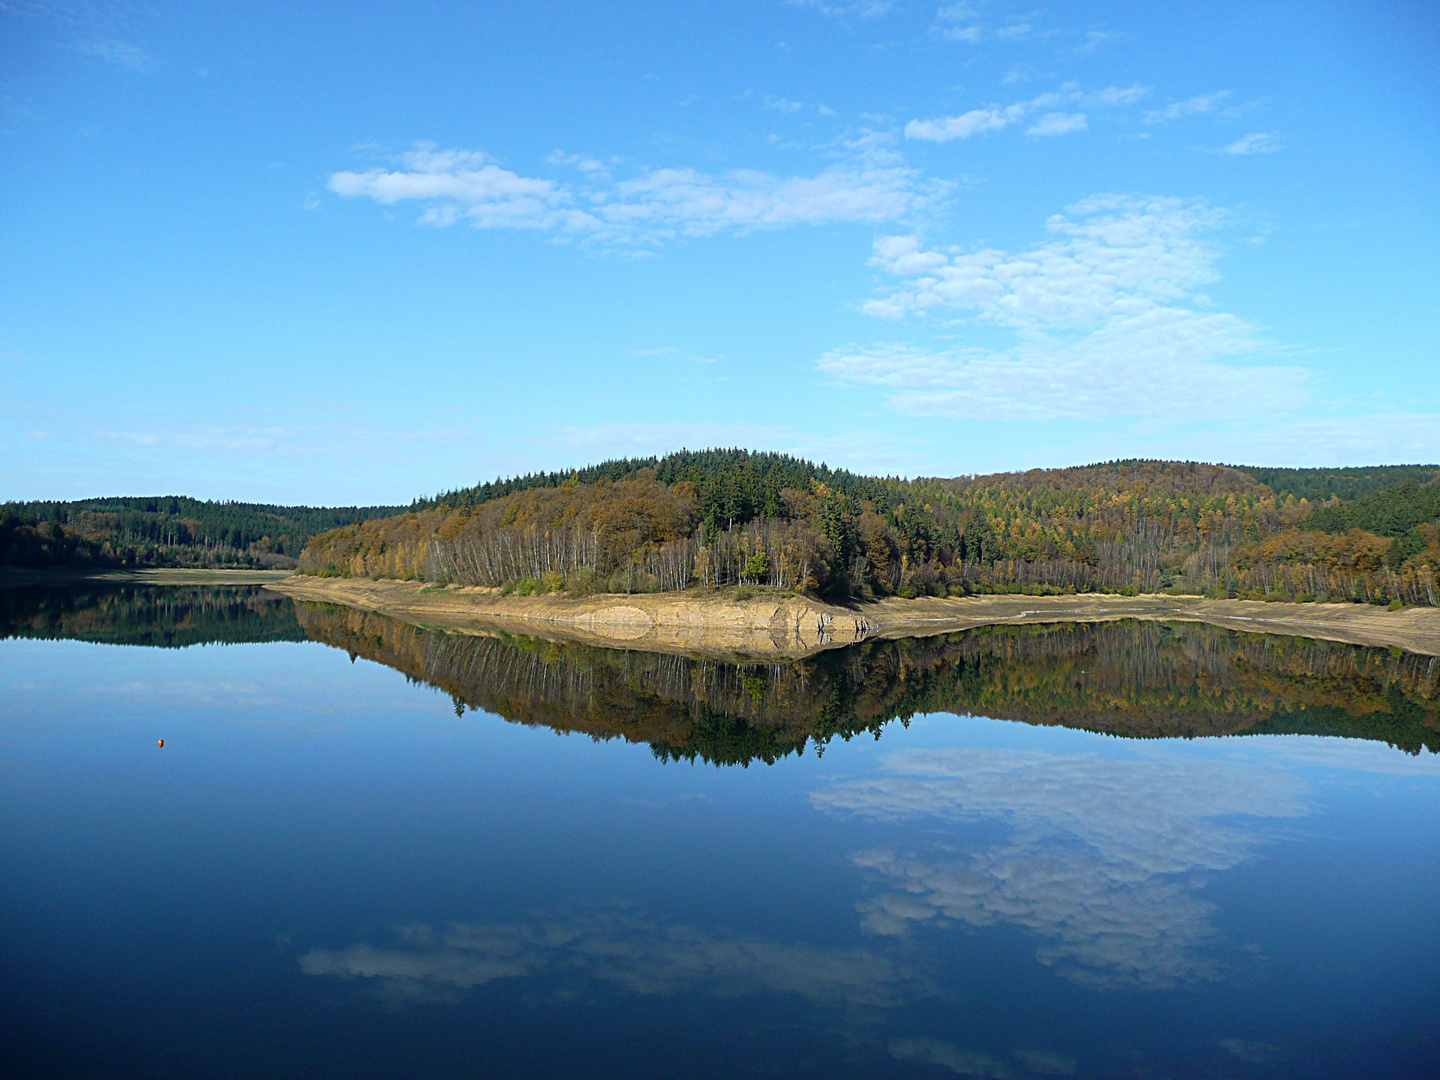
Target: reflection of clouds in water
1045, 1063
624, 950
1153, 810
1107, 925
1257, 1053
947, 1056
197, 691
973, 1063
1351, 755
1097, 858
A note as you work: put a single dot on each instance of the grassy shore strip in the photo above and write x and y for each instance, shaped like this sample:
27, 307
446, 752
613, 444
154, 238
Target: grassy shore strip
773, 624
16, 575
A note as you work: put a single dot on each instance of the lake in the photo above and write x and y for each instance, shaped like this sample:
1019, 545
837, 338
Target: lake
372, 849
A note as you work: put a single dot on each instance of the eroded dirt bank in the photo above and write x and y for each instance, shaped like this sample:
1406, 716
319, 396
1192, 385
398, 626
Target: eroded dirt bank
767, 625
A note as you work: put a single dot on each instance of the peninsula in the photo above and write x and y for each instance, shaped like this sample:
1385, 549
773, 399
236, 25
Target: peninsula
728, 552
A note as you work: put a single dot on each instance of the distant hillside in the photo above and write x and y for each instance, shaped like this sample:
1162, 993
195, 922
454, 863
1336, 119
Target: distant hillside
1319, 485
733, 517
167, 531
721, 518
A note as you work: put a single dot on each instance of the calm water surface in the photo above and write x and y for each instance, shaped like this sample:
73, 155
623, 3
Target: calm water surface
368, 849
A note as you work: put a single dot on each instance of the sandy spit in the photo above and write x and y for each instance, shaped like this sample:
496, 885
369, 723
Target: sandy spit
767, 625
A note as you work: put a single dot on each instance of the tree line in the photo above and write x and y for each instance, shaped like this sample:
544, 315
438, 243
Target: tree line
165, 531
713, 519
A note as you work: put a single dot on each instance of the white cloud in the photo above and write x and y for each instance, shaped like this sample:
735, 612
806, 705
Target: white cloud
457, 183
1257, 142
1117, 95
869, 184
857, 9
1202, 103
974, 122
1109, 251
1104, 318
117, 53
965, 22
1057, 124
782, 105
678, 354
997, 117
1095, 38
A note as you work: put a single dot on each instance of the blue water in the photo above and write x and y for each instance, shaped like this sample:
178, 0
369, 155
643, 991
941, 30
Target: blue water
327, 872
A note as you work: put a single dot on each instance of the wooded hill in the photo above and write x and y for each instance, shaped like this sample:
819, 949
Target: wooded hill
717, 518
167, 531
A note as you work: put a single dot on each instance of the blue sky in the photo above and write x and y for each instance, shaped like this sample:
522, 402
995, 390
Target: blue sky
355, 253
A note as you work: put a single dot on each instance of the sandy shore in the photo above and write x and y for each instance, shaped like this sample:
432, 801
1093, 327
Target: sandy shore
768, 625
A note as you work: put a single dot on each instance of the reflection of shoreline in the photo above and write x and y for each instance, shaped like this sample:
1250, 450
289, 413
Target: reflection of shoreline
771, 625
155, 616
1137, 679
1104, 859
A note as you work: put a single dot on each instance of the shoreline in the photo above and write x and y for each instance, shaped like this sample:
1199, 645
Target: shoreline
768, 625
11, 576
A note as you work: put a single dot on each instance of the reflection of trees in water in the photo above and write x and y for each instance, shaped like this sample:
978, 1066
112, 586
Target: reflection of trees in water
1137, 679
163, 616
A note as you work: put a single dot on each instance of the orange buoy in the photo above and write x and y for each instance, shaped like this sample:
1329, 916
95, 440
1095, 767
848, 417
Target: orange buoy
162, 742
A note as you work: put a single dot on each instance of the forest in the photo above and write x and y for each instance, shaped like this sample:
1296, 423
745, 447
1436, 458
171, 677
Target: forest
166, 531
733, 518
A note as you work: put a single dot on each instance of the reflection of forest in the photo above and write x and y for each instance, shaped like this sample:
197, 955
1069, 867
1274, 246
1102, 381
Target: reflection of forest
165, 616
1136, 679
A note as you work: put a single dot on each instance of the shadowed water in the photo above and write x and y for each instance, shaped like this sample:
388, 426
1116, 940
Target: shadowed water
337, 867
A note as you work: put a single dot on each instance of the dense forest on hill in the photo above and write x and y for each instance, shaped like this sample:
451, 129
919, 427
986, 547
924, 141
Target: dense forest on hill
166, 531
1320, 485
731, 483
715, 518
718, 518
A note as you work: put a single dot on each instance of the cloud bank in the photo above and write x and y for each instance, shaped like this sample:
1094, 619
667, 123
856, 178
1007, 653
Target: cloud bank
1107, 319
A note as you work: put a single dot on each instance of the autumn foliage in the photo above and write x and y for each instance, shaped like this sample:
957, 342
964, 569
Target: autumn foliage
728, 517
